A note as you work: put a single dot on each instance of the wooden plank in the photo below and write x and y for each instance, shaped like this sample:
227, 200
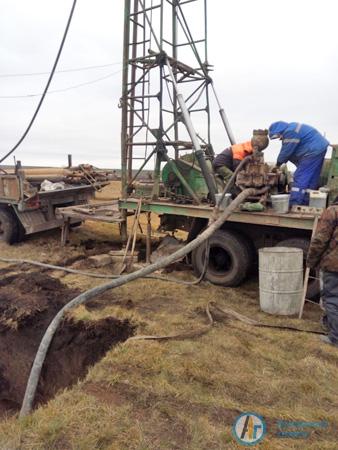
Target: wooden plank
95, 218
307, 273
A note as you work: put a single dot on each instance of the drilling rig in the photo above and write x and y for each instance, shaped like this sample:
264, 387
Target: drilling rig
167, 92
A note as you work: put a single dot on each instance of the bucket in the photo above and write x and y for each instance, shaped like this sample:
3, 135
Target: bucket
317, 199
280, 280
280, 203
226, 201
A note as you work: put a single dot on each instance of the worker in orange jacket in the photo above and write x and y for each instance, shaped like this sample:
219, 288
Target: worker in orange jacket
226, 162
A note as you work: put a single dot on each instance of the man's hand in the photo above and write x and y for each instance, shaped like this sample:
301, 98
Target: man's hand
275, 169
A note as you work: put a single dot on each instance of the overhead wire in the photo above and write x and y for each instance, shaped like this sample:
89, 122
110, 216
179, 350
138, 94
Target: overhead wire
75, 86
76, 69
47, 85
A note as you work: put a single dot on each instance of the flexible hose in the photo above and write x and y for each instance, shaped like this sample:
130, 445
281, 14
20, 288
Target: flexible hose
103, 275
34, 376
233, 177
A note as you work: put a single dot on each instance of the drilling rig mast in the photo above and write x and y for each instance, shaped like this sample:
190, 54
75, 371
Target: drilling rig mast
166, 86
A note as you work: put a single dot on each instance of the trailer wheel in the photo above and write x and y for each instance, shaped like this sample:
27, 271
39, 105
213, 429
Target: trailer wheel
9, 226
313, 289
229, 258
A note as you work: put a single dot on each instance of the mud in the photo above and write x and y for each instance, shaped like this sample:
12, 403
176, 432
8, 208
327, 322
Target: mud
28, 302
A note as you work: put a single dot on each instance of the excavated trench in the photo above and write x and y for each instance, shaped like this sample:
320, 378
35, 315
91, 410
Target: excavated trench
28, 302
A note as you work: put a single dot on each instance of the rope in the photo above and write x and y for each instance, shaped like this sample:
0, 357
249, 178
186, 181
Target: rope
235, 315
184, 335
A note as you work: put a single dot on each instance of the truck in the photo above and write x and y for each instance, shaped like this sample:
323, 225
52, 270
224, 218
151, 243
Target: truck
166, 114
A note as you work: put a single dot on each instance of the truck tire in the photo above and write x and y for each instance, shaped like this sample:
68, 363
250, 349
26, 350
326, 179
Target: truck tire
313, 288
229, 258
9, 226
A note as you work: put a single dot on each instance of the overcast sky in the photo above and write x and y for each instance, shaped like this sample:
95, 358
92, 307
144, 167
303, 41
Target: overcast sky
273, 61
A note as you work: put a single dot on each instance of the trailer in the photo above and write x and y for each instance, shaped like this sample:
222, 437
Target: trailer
26, 209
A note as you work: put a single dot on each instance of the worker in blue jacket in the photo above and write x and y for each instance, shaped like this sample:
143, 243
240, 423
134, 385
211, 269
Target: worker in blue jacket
305, 147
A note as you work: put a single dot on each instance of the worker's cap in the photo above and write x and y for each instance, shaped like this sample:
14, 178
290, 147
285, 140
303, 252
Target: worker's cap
260, 139
277, 129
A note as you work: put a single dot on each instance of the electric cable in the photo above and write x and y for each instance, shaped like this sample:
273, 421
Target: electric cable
54, 91
76, 69
107, 276
47, 85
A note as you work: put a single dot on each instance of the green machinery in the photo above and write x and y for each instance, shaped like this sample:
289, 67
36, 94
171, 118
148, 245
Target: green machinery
190, 170
329, 175
193, 176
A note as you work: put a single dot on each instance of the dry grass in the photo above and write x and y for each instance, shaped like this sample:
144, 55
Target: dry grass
110, 192
146, 395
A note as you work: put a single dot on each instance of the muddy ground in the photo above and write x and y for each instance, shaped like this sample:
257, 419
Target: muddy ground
152, 395
28, 303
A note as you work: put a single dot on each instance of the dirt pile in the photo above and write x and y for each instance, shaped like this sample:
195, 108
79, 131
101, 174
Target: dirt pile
28, 302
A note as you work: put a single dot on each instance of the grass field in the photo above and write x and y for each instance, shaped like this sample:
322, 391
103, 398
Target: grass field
184, 394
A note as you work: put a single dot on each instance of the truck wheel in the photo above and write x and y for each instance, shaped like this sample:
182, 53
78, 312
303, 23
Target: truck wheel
9, 227
313, 288
229, 258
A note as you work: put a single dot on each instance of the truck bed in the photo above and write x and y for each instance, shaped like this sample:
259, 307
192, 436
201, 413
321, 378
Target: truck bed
298, 220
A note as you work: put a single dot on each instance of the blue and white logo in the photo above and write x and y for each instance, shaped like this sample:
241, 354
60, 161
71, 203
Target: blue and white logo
249, 428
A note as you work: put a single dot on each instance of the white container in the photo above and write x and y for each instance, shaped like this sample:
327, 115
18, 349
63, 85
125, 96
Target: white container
318, 199
280, 280
226, 201
280, 203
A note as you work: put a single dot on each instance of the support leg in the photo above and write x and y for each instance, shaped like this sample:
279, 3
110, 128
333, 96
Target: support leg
148, 238
65, 232
123, 227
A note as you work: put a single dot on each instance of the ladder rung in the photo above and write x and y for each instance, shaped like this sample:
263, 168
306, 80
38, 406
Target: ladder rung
137, 23
142, 11
189, 43
140, 42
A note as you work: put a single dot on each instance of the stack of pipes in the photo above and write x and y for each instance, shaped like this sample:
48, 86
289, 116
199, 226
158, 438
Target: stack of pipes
83, 174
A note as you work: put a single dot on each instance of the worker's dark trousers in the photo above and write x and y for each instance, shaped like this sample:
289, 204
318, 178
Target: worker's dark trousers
306, 177
330, 297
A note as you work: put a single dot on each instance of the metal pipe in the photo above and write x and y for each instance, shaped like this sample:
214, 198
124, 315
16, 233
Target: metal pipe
157, 174
174, 54
132, 95
70, 160
198, 151
148, 238
124, 118
224, 118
